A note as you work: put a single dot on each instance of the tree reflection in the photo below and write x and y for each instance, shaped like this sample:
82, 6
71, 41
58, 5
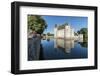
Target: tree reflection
35, 49
84, 43
41, 56
48, 39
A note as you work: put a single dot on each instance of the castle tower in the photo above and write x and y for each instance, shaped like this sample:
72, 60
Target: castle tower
67, 32
64, 31
55, 31
72, 33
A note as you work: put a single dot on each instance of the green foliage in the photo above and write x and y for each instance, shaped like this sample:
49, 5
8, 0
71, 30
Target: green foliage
49, 34
62, 26
36, 23
83, 31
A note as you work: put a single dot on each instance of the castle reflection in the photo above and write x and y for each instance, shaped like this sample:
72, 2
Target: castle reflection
66, 45
46, 49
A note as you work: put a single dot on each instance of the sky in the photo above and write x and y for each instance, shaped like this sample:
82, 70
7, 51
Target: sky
75, 22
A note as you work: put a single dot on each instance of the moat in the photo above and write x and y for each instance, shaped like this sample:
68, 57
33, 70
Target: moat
52, 49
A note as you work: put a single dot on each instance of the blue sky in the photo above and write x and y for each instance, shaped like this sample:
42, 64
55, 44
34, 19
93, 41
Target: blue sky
76, 22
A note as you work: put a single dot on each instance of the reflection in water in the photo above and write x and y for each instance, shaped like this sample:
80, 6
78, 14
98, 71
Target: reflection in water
65, 44
41, 56
81, 40
48, 39
34, 48
83, 44
36, 54
56, 49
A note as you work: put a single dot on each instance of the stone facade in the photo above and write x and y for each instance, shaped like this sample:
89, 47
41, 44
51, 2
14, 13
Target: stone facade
64, 31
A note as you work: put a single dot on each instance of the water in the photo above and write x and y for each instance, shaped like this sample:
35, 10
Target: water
52, 49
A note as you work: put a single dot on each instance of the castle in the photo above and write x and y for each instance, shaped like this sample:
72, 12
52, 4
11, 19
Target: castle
65, 31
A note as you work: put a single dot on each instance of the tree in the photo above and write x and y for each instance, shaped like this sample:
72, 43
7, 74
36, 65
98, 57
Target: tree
83, 31
48, 34
36, 23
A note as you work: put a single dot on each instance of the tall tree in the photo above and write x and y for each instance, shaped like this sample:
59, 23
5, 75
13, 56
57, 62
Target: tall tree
83, 31
36, 23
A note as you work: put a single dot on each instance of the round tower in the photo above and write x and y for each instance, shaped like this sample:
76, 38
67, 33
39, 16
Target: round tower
55, 31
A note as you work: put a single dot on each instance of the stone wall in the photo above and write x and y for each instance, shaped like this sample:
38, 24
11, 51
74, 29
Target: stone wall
67, 32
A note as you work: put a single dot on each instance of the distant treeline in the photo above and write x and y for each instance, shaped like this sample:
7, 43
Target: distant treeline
49, 34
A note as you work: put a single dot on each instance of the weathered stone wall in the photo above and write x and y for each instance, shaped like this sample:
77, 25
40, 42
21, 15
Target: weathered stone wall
60, 33
67, 32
